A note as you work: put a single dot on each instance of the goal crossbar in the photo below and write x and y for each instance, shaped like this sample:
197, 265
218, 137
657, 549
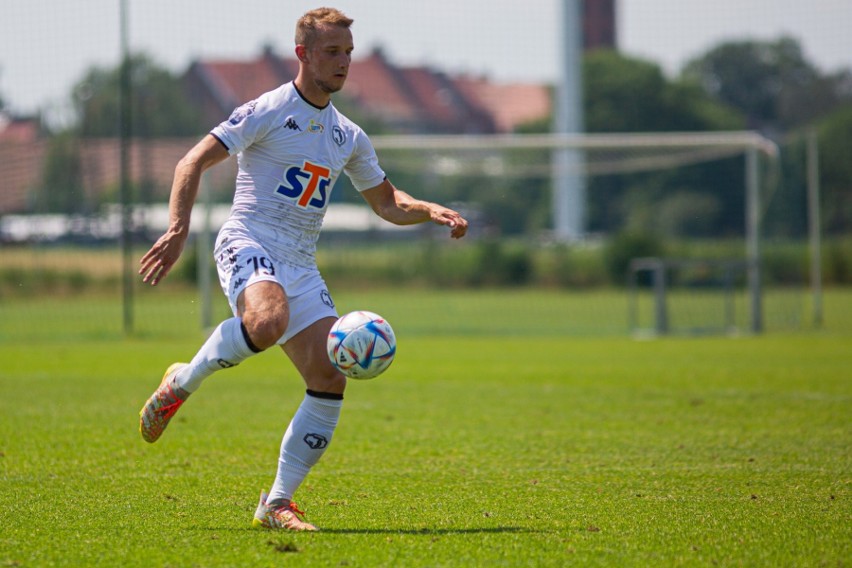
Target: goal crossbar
735, 139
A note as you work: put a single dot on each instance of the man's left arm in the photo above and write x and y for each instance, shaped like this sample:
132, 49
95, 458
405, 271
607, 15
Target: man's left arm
399, 208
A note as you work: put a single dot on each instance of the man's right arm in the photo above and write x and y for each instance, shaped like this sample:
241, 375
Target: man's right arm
158, 261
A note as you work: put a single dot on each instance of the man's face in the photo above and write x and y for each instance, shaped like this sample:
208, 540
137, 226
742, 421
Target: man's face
329, 58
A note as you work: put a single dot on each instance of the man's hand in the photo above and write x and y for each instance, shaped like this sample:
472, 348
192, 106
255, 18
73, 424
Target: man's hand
452, 219
160, 259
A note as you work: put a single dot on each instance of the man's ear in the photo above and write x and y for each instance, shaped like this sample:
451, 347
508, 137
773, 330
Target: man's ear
302, 53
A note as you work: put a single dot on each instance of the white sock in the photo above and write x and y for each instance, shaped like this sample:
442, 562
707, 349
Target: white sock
226, 347
304, 443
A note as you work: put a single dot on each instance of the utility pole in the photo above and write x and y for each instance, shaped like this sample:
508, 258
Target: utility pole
124, 127
569, 184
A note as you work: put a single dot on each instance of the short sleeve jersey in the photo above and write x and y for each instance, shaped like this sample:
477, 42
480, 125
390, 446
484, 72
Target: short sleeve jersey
290, 154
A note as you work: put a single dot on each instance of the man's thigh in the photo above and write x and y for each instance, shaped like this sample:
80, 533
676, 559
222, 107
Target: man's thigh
263, 296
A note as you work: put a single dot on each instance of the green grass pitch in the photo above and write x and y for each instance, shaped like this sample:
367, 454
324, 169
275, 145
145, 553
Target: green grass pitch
477, 448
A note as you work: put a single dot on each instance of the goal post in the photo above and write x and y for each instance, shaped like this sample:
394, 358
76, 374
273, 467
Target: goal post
608, 154
716, 278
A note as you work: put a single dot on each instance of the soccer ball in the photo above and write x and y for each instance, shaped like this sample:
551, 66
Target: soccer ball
361, 345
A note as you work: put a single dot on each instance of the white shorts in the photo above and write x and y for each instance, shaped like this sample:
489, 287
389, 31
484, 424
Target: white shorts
241, 262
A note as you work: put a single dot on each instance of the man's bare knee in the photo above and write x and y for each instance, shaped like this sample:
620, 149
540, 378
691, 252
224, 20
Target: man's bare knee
265, 328
265, 314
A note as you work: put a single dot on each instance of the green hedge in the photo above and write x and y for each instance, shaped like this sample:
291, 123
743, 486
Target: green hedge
473, 264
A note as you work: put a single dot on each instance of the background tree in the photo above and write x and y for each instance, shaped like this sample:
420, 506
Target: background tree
160, 107
624, 94
782, 94
63, 189
835, 140
771, 82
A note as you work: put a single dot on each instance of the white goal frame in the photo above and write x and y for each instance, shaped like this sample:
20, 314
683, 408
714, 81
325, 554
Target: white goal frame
750, 144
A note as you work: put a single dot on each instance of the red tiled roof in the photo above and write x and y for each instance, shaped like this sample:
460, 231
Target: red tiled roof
510, 104
413, 99
18, 129
243, 81
152, 160
21, 166
438, 98
445, 104
375, 86
20, 173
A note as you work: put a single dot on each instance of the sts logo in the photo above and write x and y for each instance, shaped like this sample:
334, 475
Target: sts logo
307, 184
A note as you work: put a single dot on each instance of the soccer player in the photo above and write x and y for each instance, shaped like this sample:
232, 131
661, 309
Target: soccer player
291, 144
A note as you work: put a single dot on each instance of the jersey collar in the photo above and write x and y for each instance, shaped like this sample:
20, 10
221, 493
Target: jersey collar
307, 101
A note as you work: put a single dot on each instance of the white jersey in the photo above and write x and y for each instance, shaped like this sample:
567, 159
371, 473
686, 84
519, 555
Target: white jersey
290, 154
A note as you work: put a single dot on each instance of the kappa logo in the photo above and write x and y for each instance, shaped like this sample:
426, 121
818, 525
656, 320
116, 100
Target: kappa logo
316, 441
308, 184
228, 254
292, 124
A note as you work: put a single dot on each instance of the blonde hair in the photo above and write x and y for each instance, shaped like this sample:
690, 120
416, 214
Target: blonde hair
307, 26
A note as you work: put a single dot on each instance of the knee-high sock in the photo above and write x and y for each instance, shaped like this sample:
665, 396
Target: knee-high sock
304, 443
226, 347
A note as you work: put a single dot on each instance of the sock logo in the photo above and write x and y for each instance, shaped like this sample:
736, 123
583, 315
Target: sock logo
316, 441
225, 364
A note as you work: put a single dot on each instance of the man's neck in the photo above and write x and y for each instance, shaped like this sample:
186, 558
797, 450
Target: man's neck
311, 93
